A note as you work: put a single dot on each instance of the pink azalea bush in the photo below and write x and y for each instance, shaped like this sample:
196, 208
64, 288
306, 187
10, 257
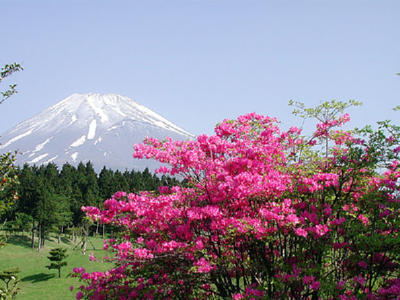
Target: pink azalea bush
263, 215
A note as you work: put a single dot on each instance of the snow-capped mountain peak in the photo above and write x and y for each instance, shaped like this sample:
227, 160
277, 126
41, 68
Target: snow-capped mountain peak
101, 128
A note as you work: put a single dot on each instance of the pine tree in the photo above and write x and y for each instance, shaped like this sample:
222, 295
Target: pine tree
62, 213
91, 190
67, 177
51, 175
120, 183
32, 193
106, 183
57, 256
9, 288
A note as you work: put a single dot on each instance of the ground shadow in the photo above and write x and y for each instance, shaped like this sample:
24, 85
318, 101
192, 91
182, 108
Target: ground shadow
26, 241
38, 277
19, 240
65, 240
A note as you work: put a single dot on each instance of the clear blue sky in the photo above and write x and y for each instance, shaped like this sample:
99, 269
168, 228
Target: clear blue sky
198, 62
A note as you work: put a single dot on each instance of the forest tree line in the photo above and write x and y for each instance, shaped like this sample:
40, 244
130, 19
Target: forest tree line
50, 199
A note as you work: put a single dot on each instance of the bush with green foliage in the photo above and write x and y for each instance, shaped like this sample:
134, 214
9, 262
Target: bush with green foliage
9, 288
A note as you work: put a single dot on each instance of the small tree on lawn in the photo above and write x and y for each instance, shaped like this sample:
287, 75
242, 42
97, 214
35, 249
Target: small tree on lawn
9, 288
57, 256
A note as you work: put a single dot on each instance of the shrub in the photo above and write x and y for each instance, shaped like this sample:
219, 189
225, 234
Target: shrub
266, 214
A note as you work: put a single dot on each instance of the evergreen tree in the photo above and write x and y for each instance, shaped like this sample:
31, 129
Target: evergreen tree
57, 257
76, 204
50, 174
30, 191
51, 196
22, 222
44, 213
120, 183
66, 178
91, 190
148, 181
62, 213
105, 183
79, 188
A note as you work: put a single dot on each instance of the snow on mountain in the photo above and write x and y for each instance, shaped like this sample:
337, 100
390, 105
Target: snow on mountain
101, 128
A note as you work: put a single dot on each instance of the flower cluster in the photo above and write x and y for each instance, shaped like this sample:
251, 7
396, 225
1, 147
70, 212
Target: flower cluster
253, 220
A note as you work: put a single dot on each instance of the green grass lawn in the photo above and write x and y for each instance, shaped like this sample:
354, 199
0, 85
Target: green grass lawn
38, 282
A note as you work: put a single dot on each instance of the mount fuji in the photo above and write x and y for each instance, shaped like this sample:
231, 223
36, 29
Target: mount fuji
101, 128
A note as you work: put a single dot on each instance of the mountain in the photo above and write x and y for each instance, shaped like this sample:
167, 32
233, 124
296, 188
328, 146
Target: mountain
101, 128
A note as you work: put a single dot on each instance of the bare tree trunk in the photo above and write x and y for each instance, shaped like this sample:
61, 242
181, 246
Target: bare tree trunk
59, 236
104, 231
39, 236
97, 228
43, 239
85, 235
33, 234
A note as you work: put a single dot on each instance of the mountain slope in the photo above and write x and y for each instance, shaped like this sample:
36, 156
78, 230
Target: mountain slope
95, 127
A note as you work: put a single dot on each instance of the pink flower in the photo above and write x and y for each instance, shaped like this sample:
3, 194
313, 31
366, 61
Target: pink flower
142, 253
359, 279
164, 190
321, 230
362, 264
199, 245
315, 285
253, 292
363, 219
119, 195
203, 266
341, 284
124, 248
292, 219
162, 169
339, 221
327, 211
78, 270
301, 232
308, 279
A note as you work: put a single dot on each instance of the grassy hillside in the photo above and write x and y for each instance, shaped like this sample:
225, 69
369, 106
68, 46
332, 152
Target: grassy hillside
38, 282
